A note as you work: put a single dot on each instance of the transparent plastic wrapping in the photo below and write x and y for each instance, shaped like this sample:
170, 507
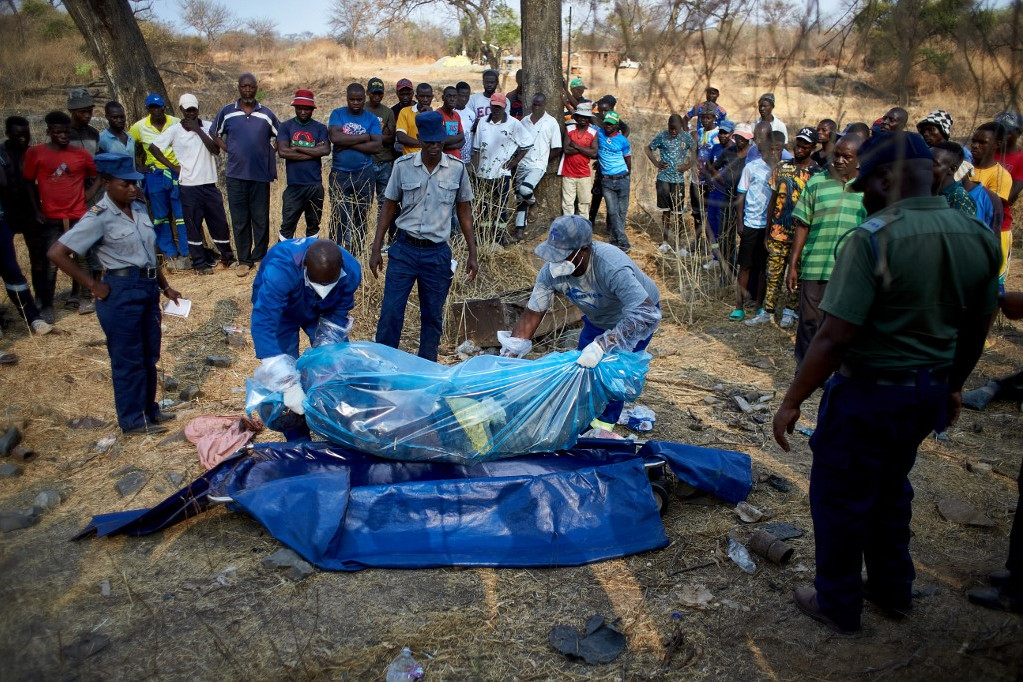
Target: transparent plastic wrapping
512, 346
268, 406
276, 373
385, 402
328, 332
638, 324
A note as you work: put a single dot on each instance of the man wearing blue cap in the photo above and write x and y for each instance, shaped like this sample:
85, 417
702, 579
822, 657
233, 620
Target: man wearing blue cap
128, 299
430, 186
620, 304
911, 295
162, 192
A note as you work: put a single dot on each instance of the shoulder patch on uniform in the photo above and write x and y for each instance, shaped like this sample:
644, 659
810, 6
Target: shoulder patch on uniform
97, 209
879, 221
404, 157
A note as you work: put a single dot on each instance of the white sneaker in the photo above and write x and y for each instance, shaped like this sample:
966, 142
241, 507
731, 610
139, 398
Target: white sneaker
41, 327
710, 265
760, 318
788, 318
665, 247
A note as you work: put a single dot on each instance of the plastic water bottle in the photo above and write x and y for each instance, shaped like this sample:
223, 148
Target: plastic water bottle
737, 553
404, 668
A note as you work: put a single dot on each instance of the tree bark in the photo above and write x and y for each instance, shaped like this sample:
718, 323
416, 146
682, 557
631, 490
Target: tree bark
541, 72
116, 42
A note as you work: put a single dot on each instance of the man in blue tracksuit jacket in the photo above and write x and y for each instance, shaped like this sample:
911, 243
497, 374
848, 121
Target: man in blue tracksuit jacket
301, 283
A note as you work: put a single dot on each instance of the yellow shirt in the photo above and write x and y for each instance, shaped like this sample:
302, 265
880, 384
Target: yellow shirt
145, 132
994, 178
407, 124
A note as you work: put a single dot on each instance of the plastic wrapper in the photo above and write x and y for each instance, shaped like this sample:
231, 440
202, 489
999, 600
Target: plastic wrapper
637, 325
268, 406
512, 346
328, 332
639, 418
276, 373
385, 402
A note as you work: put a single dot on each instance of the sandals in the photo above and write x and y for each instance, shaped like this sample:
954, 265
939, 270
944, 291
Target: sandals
737, 315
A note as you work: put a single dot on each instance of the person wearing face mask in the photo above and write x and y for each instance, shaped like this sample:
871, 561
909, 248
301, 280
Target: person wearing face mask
304, 284
620, 304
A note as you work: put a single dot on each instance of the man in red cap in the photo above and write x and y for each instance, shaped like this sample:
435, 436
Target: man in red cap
406, 95
302, 141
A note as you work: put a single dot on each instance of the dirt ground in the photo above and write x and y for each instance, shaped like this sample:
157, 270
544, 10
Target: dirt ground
195, 601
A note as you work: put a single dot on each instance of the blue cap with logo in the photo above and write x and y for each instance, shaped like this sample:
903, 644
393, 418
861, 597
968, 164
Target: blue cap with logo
727, 126
886, 148
117, 165
431, 127
154, 100
568, 233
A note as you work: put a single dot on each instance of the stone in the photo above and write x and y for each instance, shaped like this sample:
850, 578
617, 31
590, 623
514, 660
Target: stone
979, 467
176, 437
298, 568
47, 499
86, 645
23, 454
9, 440
218, 361
762, 362
104, 588
170, 384
748, 513
131, 483
236, 340
86, 423
175, 478
710, 400
779, 483
105, 443
10, 470
743, 404
958, 511
190, 393
16, 520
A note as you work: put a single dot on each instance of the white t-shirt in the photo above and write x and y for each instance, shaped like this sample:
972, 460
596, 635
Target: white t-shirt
480, 104
468, 116
546, 134
776, 124
198, 166
497, 143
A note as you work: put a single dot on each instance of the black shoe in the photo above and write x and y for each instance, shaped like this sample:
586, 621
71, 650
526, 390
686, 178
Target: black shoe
145, 430
806, 601
996, 598
888, 608
161, 417
999, 578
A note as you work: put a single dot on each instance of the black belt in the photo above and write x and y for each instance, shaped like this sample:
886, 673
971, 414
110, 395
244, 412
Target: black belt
896, 377
141, 273
620, 175
419, 243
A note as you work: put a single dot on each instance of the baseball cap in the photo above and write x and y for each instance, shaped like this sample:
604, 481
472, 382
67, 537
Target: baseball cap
583, 110
743, 130
403, 83
769, 96
940, 118
576, 83
727, 126
885, 148
430, 125
498, 99
612, 117
154, 100
79, 98
375, 85
568, 233
117, 165
1010, 119
188, 101
808, 134
304, 98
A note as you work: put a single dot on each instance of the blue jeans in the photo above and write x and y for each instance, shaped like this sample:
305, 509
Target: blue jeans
381, 174
350, 194
407, 265
587, 335
616, 194
860, 497
130, 318
164, 198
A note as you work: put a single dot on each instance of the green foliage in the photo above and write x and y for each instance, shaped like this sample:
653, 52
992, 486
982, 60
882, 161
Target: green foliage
505, 28
83, 69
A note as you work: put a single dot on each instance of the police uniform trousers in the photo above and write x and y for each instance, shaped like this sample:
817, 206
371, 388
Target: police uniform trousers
130, 318
14, 279
868, 432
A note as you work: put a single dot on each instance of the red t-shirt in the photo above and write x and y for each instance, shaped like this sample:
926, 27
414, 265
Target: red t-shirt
60, 176
452, 126
577, 165
1014, 164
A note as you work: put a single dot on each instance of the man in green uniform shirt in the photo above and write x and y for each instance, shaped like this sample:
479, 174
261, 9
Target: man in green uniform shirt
906, 312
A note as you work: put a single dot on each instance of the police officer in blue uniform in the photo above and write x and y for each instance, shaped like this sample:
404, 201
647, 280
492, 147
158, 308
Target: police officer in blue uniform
304, 284
128, 297
907, 310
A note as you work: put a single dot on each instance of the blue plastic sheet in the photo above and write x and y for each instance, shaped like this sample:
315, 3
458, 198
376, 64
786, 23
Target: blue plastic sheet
383, 401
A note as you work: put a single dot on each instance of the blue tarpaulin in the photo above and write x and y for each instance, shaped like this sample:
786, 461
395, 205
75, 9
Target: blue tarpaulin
344, 510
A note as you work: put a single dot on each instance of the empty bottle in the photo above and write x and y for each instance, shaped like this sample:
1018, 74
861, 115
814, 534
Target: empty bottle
404, 668
737, 553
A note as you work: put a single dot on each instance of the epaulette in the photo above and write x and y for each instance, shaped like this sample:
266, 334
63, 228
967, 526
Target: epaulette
879, 221
404, 157
97, 209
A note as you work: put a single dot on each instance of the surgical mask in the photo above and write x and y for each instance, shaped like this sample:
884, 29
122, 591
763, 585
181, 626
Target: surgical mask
562, 268
321, 289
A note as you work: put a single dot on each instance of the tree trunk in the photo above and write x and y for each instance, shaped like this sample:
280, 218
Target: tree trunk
541, 72
116, 42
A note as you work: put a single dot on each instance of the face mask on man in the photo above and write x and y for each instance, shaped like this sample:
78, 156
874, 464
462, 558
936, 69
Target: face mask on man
563, 268
321, 289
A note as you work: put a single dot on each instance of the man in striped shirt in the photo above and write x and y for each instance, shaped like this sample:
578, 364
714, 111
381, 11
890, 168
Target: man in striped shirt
827, 209
247, 131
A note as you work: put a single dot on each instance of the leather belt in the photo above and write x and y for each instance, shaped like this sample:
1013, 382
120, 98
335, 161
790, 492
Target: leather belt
419, 243
141, 273
895, 377
620, 175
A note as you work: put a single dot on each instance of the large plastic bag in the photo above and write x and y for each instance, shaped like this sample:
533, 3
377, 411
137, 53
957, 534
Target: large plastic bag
388, 403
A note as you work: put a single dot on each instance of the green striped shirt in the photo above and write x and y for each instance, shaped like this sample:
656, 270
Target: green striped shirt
831, 210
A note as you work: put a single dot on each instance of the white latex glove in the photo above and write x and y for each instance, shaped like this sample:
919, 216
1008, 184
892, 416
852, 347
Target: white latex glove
512, 346
294, 396
591, 355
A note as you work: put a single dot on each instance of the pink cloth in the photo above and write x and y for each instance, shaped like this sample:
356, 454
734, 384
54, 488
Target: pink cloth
218, 437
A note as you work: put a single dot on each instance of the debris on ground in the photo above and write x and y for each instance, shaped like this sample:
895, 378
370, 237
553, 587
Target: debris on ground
298, 568
104, 588
87, 645
467, 349
737, 552
190, 393
10, 440
131, 482
218, 361
770, 547
86, 423
10, 470
23, 454
782, 530
748, 513
779, 483
639, 418
957, 511
696, 596
16, 520
104, 444
601, 643
47, 499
